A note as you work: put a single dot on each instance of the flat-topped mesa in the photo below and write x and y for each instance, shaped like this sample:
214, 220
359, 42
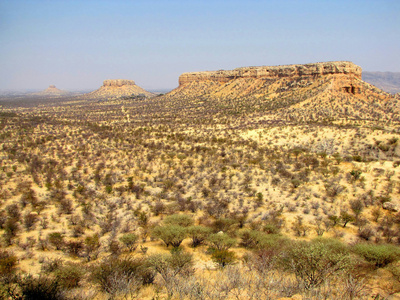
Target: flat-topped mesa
275, 72
118, 82
116, 88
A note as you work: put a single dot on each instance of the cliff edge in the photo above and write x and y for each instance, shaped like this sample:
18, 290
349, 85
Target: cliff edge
275, 72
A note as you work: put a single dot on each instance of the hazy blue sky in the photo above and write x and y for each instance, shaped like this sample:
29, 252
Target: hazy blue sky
78, 44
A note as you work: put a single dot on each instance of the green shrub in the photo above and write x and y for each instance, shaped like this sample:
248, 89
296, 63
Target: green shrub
70, 275
198, 234
91, 244
170, 234
171, 265
271, 229
179, 219
228, 225
130, 241
8, 263
313, 262
379, 255
259, 240
252, 238
115, 274
223, 258
220, 241
56, 239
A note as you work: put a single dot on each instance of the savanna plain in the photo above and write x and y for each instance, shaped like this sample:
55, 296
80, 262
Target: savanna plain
245, 187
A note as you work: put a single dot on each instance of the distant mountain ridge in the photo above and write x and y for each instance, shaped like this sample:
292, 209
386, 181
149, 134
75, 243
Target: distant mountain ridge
387, 81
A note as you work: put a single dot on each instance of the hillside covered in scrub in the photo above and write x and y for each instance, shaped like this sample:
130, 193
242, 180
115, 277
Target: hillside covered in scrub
255, 183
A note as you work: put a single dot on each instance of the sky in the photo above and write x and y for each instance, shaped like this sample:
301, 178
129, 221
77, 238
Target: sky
75, 45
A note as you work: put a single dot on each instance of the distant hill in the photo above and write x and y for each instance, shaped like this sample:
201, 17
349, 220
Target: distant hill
387, 81
52, 91
116, 88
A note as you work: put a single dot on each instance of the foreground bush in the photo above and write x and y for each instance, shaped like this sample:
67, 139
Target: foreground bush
172, 266
8, 263
379, 255
70, 275
314, 262
42, 287
122, 274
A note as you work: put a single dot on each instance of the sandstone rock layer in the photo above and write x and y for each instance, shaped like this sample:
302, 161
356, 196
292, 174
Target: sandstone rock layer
275, 72
117, 82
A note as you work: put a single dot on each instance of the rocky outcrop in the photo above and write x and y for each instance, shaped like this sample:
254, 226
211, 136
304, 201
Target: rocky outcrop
293, 93
117, 88
117, 82
390, 206
275, 72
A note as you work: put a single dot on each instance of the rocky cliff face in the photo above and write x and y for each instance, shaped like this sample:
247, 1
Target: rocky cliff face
300, 93
340, 76
116, 88
275, 72
117, 82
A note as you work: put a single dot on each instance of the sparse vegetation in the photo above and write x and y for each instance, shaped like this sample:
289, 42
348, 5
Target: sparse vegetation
192, 188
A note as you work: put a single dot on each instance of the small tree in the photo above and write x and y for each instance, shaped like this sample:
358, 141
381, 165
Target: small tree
357, 207
92, 244
220, 241
252, 238
169, 266
56, 239
313, 262
130, 241
198, 234
346, 218
179, 219
170, 234
223, 258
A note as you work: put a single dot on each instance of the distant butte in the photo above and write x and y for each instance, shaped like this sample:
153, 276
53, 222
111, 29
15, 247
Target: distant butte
51, 91
116, 88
